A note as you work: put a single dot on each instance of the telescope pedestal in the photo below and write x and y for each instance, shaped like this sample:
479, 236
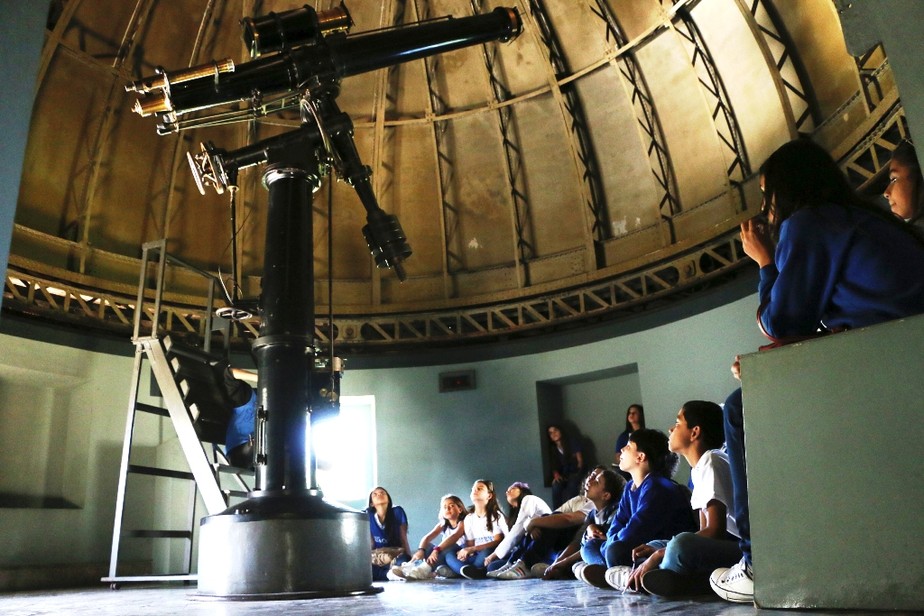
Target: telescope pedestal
286, 541
285, 547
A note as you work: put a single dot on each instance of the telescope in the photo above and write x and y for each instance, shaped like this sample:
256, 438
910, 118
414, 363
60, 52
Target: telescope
258, 548
300, 58
317, 50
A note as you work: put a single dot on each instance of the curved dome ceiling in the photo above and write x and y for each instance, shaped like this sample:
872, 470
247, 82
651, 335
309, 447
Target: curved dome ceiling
598, 162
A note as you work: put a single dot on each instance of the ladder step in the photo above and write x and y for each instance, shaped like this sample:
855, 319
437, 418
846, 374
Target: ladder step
161, 534
160, 472
233, 470
149, 408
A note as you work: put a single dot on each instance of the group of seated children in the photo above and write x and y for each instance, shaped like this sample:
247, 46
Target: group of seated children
829, 261
641, 535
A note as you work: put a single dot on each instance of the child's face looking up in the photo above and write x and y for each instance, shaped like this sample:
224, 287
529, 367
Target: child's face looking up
480, 493
679, 434
629, 457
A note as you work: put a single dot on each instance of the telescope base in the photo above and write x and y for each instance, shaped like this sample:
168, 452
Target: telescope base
285, 547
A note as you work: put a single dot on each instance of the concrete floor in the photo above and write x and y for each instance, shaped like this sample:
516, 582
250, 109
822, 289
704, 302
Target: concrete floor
449, 597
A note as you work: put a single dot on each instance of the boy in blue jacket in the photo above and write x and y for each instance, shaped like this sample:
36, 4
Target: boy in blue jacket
652, 506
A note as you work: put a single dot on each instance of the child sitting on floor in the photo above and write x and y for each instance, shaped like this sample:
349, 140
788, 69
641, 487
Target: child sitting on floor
682, 565
652, 506
430, 560
604, 488
484, 528
524, 506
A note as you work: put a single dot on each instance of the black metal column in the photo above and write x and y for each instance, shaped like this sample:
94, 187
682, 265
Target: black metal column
284, 350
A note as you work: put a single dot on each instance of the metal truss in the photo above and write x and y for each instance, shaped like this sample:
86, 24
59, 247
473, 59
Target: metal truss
521, 220
28, 291
438, 106
864, 163
869, 68
726, 122
582, 144
38, 295
779, 46
642, 102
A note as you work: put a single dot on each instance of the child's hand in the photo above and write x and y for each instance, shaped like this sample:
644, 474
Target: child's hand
756, 242
736, 367
641, 552
490, 558
553, 572
595, 532
431, 559
464, 554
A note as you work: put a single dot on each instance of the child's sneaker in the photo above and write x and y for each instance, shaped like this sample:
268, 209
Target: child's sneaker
595, 575
735, 584
618, 576
517, 572
667, 583
396, 574
499, 570
472, 572
538, 570
445, 572
420, 570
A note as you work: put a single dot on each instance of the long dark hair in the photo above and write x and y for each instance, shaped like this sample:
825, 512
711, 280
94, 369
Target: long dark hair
565, 442
801, 174
492, 509
515, 508
392, 532
641, 416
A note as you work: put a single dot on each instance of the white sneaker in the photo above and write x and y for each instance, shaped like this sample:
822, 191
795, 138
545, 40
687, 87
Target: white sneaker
499, 570
577, 568
618, 576
420, 571
518, 571
538, 570
396, 574
735, 584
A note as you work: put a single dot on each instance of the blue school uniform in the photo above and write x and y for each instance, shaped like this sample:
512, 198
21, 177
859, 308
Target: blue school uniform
656, 509
379, 539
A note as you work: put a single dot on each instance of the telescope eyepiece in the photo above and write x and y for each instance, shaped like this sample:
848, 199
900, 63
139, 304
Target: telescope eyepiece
289, 29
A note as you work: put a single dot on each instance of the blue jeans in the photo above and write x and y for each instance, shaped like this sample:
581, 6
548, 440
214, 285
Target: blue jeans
475, 559
610, 552
691, 554
592, 551
441, 559
734, 445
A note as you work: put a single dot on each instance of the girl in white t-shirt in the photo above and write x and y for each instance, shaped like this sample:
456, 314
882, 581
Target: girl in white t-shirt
446, 537
484, 527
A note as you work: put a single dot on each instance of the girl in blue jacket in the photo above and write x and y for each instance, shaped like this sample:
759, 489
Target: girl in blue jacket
839, 263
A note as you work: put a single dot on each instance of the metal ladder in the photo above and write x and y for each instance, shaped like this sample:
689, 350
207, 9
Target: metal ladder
192, 402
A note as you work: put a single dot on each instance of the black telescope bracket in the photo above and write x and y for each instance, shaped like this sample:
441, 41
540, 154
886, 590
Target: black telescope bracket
330, 131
